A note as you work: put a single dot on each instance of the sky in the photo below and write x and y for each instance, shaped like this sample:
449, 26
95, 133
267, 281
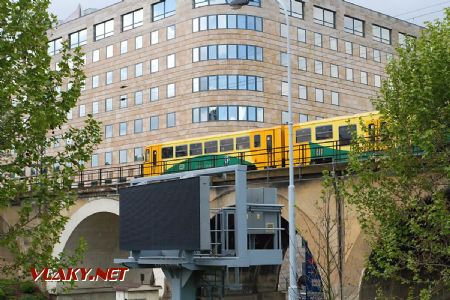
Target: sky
415, 11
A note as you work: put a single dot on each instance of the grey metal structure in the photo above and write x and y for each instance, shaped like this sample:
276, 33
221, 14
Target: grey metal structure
254, 215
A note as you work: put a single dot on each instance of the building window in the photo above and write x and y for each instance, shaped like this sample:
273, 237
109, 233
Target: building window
213, 52
318, 67
108, 158
138, 97
78, 38
123, 47
163, 9
94, 160
154, 123
349, 74
123, 156
108, 104
376, 55
335, 98
302, 63
95, 107
317, 39
54, 47
295, 8
95, 81
138, 42
303, 92
95, 55
138, 70
349, 48
170, 34
200, 3
138, 154
154, 37
284, 117
403, 37
122, 128
228, 113
104, 29
170, 61
212, 22
123, 74
333, 43
283, 30
108, 131
82, 110
123, 101
154, 94
363, 52
363, 77
353, 26
154, 65
381, 34
324, 17
138, 126
170, 90
227, 82
301, 35
109, 77
132, 20
319, 95
377, 80
109, 51
284, 88
334, 71
283, 59
318, 118
171, 120
303, 118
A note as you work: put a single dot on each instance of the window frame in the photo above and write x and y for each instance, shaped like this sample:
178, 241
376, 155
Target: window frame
105, 34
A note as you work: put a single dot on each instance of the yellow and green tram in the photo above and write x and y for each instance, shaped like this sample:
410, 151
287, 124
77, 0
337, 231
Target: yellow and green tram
317, 141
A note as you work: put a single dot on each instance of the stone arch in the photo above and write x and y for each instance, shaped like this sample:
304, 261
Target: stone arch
94, 220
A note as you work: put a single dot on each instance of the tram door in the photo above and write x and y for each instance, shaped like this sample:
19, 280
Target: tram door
269, 149
155, 164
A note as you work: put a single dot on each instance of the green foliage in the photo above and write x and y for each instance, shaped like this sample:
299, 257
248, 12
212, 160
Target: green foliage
402, 190
2, 294
27, 287
33, 114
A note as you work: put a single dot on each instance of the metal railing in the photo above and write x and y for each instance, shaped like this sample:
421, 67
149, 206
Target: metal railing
304, 154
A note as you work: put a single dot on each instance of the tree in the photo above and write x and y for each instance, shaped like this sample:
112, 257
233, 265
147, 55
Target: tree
33, 113
401, 190
328, 237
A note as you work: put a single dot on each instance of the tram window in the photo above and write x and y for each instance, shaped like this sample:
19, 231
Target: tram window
226, 145
167, 152
372, 132
195, 149
242, 143
345, 134
324, 132
211, 147
303, 135
147, 154
181, 151
257, 141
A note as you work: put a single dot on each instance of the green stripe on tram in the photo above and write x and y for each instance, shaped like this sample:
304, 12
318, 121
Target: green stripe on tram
206, 162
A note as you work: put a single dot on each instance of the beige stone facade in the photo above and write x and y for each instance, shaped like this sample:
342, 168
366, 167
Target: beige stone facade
344, 87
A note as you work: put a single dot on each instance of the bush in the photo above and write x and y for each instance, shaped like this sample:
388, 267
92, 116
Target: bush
27, 287
2, 294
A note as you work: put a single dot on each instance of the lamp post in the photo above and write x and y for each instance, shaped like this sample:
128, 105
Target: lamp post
292, 291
